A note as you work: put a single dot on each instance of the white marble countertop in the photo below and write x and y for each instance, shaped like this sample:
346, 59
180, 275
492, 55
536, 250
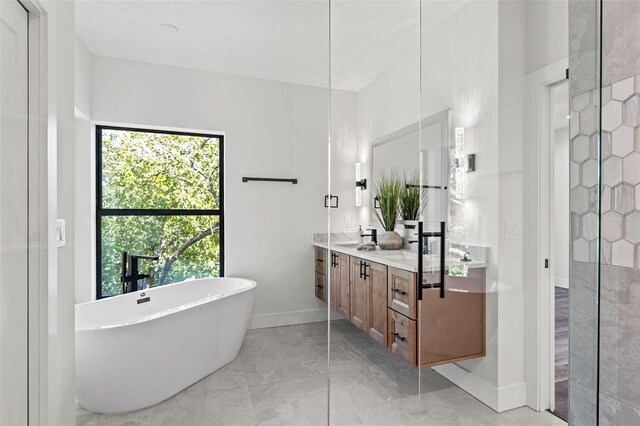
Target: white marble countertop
401, 259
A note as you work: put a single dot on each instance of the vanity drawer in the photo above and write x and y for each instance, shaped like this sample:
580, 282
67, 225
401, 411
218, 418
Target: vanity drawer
402, 336
401, 294
321, 260
321, 285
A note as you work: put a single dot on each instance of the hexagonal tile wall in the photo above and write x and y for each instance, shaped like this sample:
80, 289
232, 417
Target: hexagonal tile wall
612, 171
611, 226
579, 200
632, 227
611, 115
590, 226
617, 146
622, 254
580, 148
605, 148
622, 90
581, 250
590, 173
631, 111
623, 198
588, 120
622, 141
631, 168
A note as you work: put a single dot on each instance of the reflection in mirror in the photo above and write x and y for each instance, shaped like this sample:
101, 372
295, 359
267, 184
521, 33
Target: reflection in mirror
395, 153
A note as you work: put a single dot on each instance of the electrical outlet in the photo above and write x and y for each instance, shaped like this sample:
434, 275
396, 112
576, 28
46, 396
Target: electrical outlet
512, 231
61, 237
348, 222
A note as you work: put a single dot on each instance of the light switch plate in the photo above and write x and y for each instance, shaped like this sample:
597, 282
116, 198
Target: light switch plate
61, 237
512, 231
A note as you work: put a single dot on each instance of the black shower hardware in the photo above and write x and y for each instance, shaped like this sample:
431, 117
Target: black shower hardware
328, 201
421, 239
362, 184
261, 179
130, 274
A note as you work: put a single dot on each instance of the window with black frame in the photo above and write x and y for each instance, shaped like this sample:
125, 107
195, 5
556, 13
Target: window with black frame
159, 193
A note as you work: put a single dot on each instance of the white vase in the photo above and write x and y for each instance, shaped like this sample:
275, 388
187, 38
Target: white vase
390, 240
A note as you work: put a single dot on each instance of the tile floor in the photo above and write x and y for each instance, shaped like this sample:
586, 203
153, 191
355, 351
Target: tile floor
562, 353
280, 378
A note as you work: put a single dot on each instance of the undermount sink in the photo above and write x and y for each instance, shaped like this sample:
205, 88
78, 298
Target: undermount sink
346, 244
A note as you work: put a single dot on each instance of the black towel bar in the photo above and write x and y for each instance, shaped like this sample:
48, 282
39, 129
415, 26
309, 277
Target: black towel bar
259, 179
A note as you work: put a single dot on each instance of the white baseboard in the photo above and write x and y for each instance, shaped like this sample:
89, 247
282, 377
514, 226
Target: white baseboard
288, 318
562, 282
499, 399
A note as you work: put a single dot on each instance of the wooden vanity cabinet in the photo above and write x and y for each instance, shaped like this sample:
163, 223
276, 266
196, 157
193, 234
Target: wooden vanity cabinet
369, 298
453, 329
402, 336
320, 281
402, 292
359, 295
340, 288
383, 302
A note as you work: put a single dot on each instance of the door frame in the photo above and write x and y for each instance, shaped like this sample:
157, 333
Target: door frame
547, 209
41, 213
539, 336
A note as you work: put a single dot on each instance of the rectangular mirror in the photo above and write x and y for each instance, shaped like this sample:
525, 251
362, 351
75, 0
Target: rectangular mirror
396, 153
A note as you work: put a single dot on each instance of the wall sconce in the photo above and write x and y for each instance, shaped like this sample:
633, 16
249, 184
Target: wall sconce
360, 184
461, 165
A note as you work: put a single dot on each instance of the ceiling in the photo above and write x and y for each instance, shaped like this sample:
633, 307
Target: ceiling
276, 40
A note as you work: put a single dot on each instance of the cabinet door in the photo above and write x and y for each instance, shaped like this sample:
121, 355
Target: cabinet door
358, 295
321, 260
320, 283
342, 277
377, 306
402, 336
453, 328
402, 292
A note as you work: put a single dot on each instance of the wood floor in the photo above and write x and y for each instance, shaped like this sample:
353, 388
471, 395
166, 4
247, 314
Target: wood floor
562, 353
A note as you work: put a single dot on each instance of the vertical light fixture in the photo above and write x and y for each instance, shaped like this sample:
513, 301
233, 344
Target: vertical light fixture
461, 164
358, 187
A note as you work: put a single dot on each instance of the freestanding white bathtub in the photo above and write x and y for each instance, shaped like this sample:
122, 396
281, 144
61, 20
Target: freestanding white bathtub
138, 349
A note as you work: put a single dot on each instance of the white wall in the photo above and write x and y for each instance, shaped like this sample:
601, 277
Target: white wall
478, 73
85, 259
271, 129
56, 325
561, 222
547, 32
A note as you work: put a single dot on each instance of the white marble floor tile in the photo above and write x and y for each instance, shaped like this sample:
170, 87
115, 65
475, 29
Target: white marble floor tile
280, 378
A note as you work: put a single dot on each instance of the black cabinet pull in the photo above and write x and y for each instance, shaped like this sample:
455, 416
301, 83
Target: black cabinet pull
319, 286
398, 336
400, 292
361, 269
365, 275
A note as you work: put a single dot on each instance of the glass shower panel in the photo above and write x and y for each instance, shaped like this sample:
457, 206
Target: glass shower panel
468, 262
590, 207
215, 159
375, 172
619, 361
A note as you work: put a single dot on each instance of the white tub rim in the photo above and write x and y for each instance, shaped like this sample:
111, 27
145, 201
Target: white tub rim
171, 311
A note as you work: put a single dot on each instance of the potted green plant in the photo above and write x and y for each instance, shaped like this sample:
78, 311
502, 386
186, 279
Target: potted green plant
413, 200
387, 193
